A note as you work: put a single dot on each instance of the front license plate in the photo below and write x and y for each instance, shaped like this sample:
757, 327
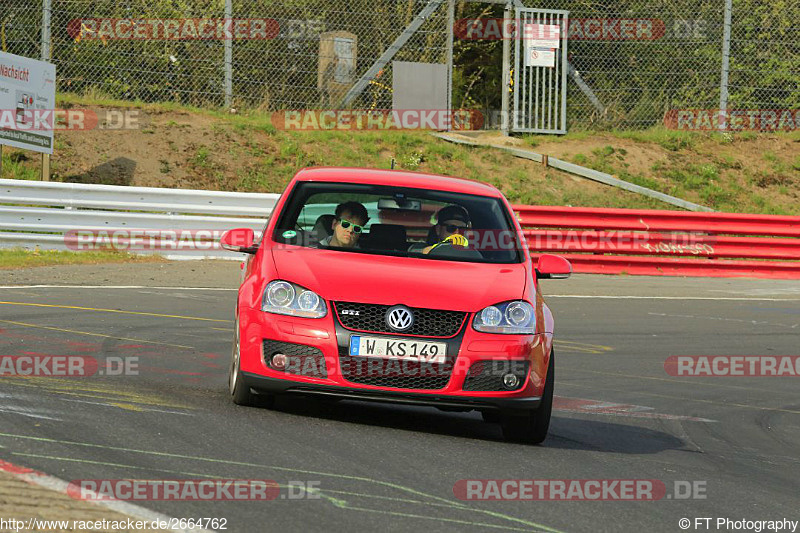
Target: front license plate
427, 352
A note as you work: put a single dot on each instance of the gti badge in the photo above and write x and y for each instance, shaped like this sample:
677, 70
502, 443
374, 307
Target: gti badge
351, 312
399, 318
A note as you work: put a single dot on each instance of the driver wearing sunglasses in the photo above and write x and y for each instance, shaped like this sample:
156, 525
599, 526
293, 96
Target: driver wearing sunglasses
348, 225
451, 223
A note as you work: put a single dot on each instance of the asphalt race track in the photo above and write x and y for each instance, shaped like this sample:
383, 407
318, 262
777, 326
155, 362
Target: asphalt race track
618, 414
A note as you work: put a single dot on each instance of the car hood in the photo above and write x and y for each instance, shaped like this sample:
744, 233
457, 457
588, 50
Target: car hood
388, 280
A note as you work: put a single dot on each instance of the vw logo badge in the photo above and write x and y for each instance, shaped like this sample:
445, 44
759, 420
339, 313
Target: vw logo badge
399, 318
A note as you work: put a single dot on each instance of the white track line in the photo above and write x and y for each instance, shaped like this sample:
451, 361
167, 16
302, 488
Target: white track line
115, 287
59, 485
583, 296
628, 297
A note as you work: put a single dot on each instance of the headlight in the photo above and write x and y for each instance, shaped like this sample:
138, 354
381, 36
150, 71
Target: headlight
491, 316
279, 294
514, 318
519, 314
284, 298
308, 301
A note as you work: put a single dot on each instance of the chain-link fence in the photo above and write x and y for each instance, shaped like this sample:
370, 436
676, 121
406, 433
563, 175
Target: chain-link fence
633, 78
679, 63
298, 54
271, 55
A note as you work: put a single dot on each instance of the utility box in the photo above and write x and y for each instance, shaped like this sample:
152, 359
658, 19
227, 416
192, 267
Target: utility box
419, 85
338, 51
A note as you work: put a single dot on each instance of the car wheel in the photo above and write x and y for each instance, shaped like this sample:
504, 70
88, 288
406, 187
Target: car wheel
240, 393
532, 427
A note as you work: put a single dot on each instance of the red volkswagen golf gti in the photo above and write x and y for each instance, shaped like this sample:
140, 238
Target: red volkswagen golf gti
395, 286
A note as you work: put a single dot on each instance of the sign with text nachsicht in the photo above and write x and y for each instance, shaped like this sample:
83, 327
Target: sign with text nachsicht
27, 103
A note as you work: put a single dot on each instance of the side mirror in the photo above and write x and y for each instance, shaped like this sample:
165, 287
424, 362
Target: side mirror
552, 267
239, 240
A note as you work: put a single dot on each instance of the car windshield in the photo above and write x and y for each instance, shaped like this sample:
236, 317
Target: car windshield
399, 221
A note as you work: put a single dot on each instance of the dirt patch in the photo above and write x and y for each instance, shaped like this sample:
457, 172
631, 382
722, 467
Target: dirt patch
161, 152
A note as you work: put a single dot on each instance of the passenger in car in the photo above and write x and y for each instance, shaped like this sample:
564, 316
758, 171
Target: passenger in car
348, 224
451, 222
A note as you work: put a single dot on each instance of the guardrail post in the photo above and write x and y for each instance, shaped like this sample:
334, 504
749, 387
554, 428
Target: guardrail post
45, 167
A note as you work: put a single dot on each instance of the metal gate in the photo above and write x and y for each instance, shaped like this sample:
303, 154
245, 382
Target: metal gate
540, 71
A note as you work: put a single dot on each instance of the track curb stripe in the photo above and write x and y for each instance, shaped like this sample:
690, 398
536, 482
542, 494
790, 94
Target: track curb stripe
55, 484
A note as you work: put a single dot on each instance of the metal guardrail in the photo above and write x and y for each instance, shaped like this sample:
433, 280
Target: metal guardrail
655, 242
50, 215
51, 193
47, 215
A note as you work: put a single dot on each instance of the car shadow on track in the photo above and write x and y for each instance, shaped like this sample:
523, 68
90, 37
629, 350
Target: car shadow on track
566, 432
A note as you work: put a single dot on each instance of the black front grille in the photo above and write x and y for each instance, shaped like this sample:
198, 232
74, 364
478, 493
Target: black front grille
301, 360
397, 373
488, 375
372, 317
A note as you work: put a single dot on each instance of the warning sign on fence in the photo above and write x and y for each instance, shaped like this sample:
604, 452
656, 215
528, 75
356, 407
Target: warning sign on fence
541, 43
540, 57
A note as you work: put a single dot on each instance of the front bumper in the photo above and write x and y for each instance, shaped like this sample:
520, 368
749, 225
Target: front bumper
329, 337
266, 385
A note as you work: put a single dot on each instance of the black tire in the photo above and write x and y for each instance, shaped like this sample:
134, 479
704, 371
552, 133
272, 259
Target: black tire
240, 393
532, 428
